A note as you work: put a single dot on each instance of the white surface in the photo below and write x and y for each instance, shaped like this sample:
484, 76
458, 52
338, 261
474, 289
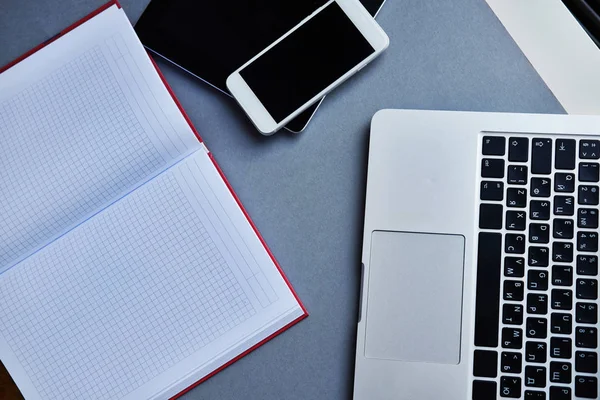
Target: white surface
94, 122
415, 297
423, 176
147, 291
558, 48
257, 112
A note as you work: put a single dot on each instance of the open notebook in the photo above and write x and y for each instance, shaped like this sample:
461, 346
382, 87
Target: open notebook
128, 270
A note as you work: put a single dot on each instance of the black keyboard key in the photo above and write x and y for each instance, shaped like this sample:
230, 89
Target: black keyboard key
586, 361
562, 275
484, 390
562, 252
537, 279
588, 172
491, 190
535, 376
512, 314
516, 197
534, 395
485, 363
586, 387
493, 146
514, 267
539, 233
510, 386
492, 168
512, 338
587, 289
586, 313
560, 372
564, 205
539, 210
537, 303
561, 323
589, 149
490, 216
564, 182
514, 243
561, 347
541, 156
535, 352
536, 328
518, 149
563, 229
517, 174
562, 299
513, 290
587, 195
587, 218
538, 256
587, 265
586, 337
487, 299
511, 363
560, 393
540, 187
587, 241
565, 154
516, 220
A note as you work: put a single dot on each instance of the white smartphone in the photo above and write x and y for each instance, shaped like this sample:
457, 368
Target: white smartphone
306, 63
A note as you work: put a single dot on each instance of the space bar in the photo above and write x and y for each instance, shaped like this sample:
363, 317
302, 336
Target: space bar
487, 305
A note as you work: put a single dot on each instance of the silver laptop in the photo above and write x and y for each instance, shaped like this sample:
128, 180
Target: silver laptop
480, 254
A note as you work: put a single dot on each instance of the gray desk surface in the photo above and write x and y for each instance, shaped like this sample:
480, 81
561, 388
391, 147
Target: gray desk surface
305, 192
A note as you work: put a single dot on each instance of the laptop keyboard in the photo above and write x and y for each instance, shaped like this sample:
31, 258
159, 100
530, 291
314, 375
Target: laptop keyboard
536, 315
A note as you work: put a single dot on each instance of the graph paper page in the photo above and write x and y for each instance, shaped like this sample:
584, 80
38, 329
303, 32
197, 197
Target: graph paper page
164, 285
82, 122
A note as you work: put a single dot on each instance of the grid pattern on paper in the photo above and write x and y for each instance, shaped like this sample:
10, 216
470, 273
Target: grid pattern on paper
123, 297
68, 143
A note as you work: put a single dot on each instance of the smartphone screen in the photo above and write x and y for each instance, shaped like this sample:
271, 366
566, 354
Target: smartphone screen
306, 62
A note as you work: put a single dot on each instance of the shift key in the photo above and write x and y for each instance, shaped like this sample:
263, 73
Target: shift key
541, 156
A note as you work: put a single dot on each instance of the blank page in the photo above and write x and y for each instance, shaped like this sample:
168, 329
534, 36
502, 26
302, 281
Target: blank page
153, 292
82, 122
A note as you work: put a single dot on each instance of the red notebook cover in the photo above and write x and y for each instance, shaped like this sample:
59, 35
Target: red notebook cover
187, 118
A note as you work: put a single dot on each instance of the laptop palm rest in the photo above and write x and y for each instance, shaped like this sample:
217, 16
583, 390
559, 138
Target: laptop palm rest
414, 300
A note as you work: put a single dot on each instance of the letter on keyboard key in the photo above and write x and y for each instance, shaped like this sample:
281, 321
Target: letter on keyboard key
565, 154
562, 299
514, 244
512, 338
561, 323
535, 376
560, 372
487, 298
560, 393
560, 348
564, 183
516, 197
541, 156
535, 352
586, 387
484, 390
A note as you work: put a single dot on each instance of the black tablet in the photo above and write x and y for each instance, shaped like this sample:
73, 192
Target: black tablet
212, 38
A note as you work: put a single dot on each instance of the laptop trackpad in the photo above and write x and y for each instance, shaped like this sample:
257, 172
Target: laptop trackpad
414, 301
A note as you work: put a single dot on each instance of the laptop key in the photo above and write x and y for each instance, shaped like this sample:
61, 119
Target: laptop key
541, 156
560, 372
518, 149
562, 275
511, 362
562, 229
512, 314
517, 174
494, 145
537, 279
587, 265
586, 313
535, 352
516, 197
564, 205
512, 338
561, 323
485, 363
589, 149
487, 297
562, 299
492, 168
491, 190
540, 187
586, 387
587, 241
535, 376
562, 252
587, 289
587, 218
561, 347
587, 195
560, 393
514, 243
516, 220
484, 390
586, 361
565, 154
588, 172
490, 216
538, 256
514, 267
539, 233
539, 210
586, 337
564, 182
537, 303
534, 395
510, 386
536, 328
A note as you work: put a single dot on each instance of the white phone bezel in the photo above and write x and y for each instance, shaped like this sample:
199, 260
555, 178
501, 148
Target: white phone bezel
257, 112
